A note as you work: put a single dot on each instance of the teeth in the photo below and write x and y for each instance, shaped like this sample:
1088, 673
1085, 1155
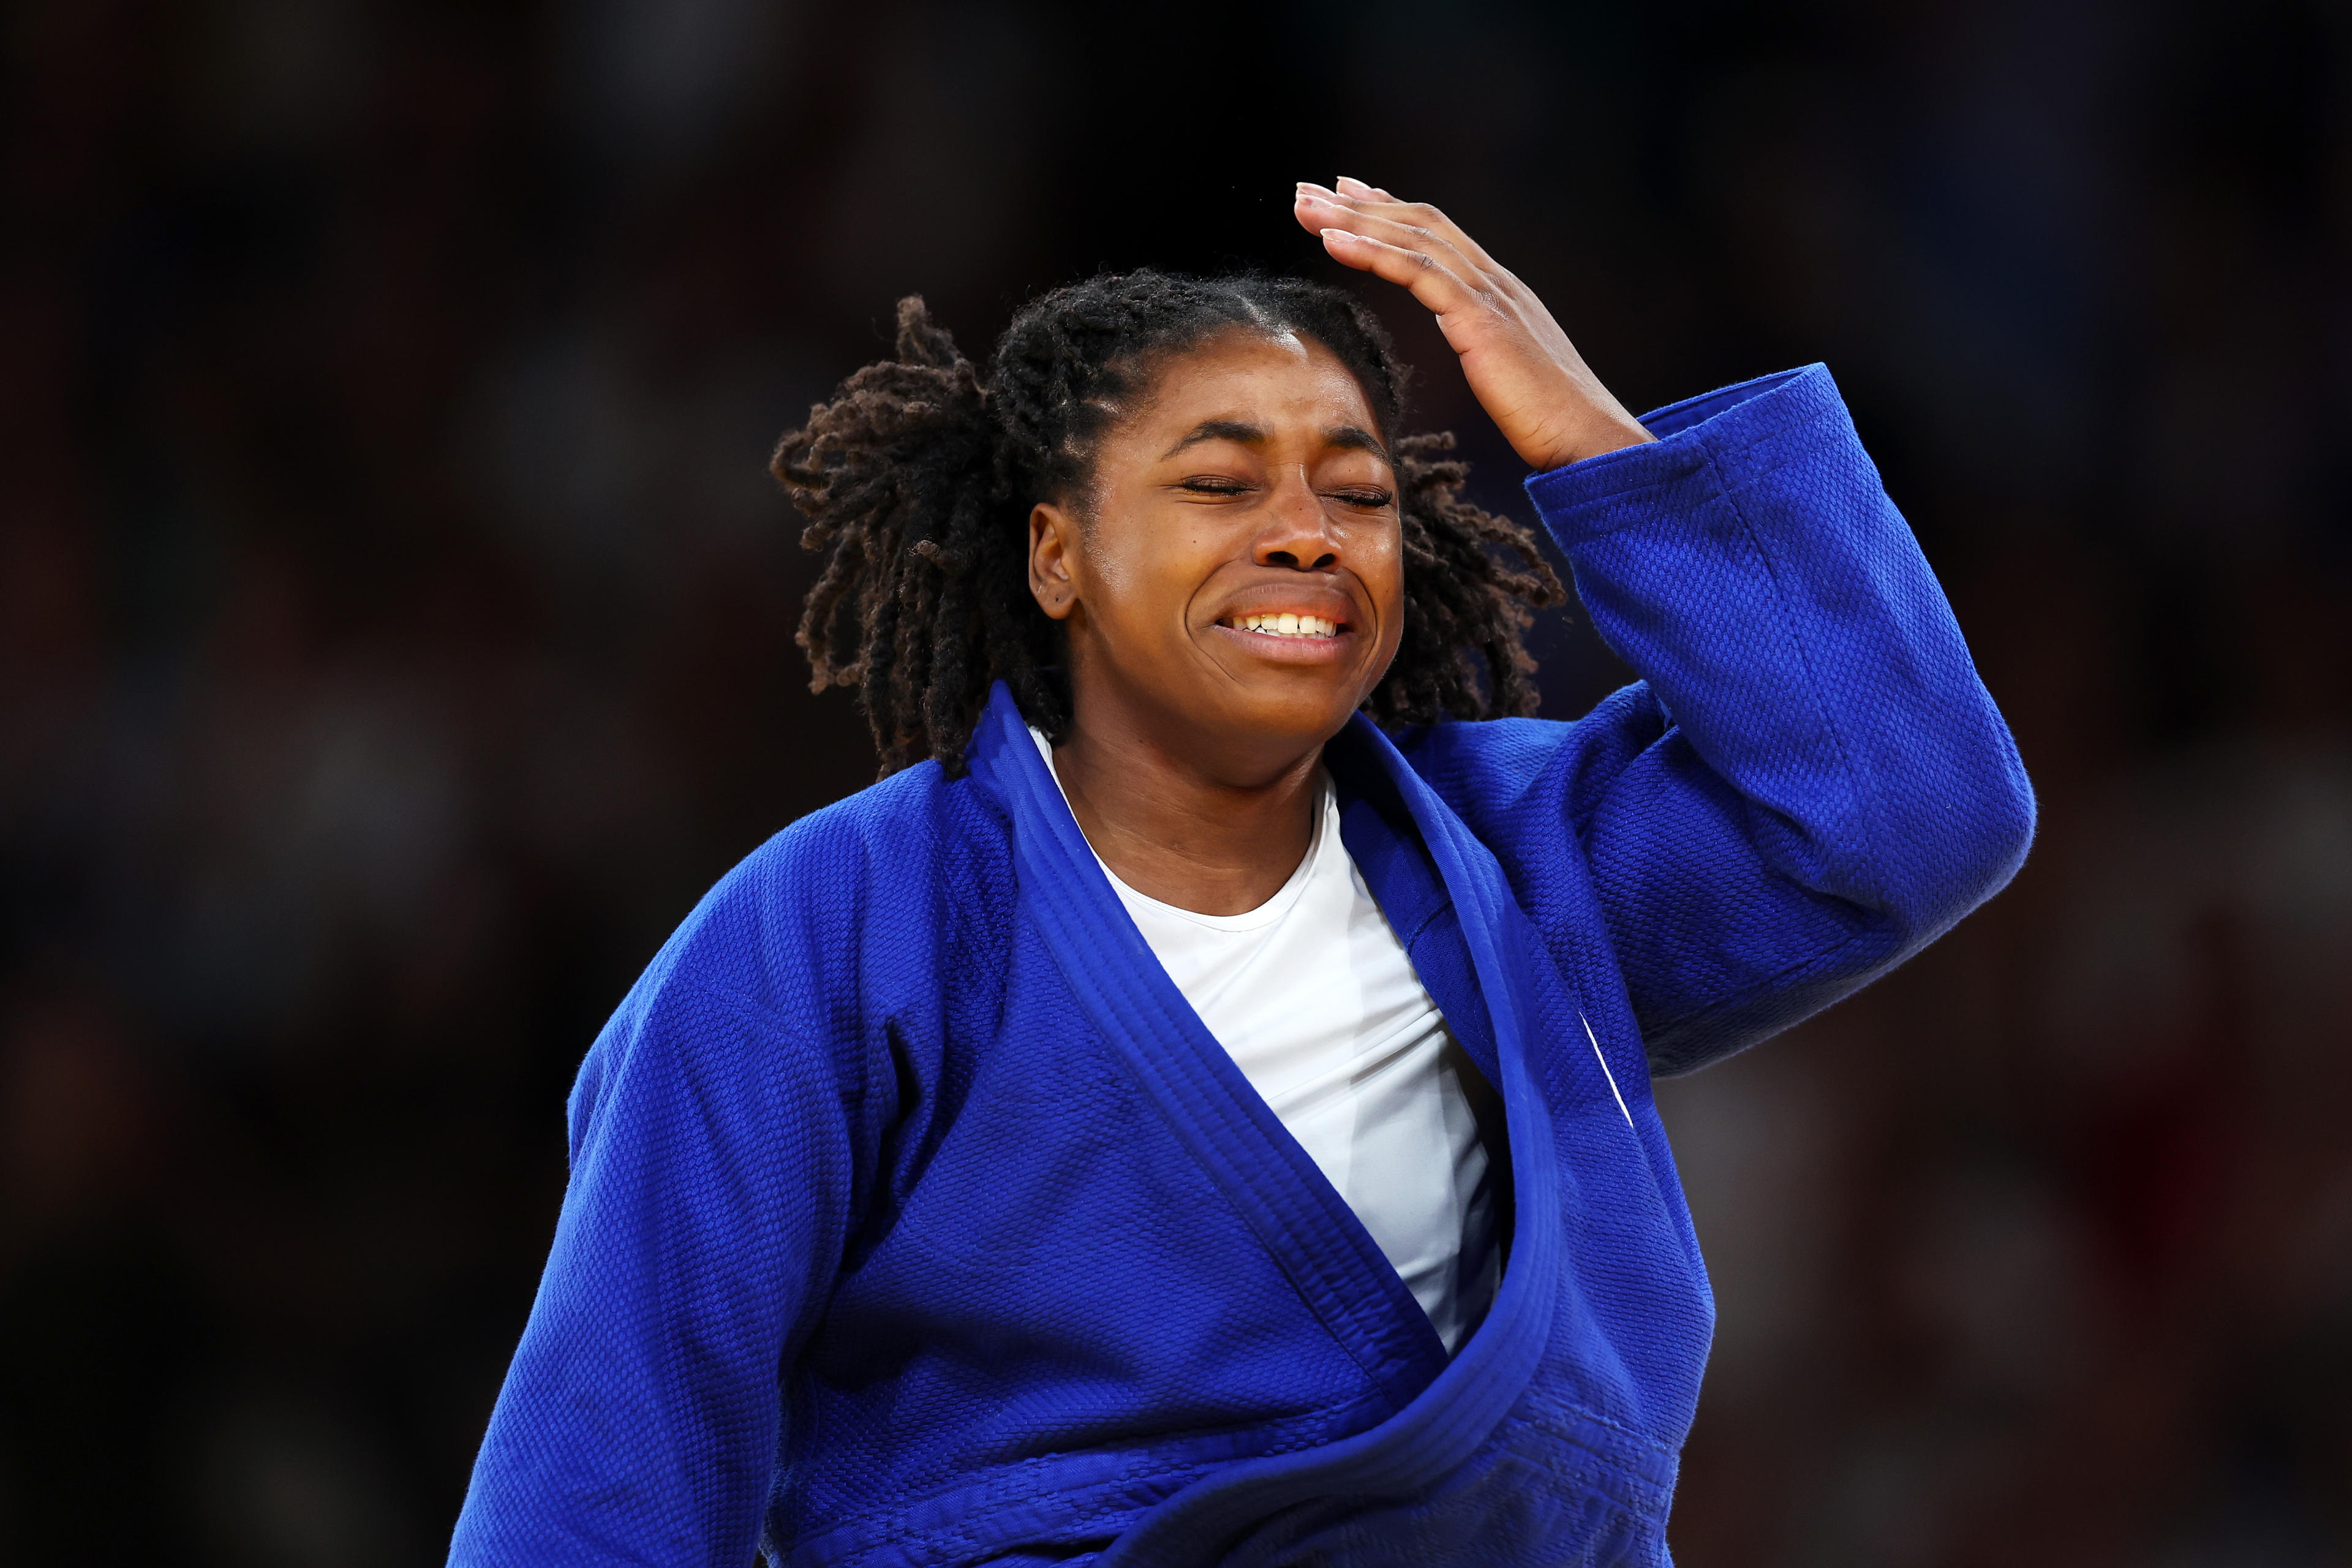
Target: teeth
1288, 625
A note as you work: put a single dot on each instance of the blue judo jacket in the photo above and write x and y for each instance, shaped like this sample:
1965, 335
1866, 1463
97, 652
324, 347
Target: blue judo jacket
915, 1220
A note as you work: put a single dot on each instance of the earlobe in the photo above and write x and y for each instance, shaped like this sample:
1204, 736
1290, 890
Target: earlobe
1051, 529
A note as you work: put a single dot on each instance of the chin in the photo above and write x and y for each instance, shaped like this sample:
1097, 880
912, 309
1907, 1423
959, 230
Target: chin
1279, 710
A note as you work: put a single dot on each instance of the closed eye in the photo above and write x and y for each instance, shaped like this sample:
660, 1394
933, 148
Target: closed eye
1368, 499
1213, 485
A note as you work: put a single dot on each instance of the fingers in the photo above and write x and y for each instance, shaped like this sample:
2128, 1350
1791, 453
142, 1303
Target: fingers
1319, 210
1375, 233
1519, 364
1428, 280
1374, 201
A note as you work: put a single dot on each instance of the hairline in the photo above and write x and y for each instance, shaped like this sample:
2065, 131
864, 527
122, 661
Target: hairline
1151, 363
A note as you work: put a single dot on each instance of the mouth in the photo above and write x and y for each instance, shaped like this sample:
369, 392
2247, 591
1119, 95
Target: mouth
1289, 638
1284, 623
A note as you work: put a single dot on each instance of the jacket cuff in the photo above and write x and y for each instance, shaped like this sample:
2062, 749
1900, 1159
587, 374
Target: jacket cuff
1705, 447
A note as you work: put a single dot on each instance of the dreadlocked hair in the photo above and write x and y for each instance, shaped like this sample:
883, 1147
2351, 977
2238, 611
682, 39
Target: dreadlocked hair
918, 478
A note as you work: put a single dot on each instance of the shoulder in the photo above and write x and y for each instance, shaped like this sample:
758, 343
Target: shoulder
777, 994
1481, 754
889, 843
1481, 767
847, 903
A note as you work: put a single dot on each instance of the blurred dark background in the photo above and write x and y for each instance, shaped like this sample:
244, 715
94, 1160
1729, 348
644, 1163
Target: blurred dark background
395, 639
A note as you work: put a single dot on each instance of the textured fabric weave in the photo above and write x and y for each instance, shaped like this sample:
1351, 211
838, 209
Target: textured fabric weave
915, 1219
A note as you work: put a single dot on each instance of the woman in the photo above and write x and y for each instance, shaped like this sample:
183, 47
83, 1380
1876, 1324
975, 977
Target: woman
1173, 1118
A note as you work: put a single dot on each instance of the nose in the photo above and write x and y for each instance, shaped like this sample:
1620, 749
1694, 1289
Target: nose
1296, 535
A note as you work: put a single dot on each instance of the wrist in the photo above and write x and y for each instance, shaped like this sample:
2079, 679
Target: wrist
1590, 438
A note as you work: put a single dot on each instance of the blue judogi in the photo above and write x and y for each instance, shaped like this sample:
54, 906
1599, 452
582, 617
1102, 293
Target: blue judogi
915, 1219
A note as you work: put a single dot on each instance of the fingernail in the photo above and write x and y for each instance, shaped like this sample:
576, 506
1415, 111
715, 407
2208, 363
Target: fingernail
1351, 180
1336, 233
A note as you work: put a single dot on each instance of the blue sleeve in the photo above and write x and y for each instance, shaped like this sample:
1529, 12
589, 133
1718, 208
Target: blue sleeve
1809, 784
642, 1418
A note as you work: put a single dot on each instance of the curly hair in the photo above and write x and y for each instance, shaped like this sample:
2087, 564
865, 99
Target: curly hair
918, 478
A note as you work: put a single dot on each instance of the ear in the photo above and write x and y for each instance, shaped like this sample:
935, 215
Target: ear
1053, 541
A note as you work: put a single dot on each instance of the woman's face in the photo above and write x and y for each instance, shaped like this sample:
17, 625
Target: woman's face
1233, 580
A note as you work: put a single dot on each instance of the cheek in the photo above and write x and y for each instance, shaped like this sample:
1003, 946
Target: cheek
1381, 569
1139, 573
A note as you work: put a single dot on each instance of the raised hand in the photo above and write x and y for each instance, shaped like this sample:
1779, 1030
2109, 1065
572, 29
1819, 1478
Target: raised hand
1523, 370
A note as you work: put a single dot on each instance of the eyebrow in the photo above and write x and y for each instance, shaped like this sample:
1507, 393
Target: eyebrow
1348, 437
1351, 438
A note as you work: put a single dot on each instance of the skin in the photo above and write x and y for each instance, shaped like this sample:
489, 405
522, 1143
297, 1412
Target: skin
1252, 478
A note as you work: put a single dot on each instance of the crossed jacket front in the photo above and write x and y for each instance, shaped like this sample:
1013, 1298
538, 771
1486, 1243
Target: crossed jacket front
915, 1220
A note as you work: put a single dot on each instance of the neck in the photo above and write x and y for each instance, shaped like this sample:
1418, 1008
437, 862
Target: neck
1184, 820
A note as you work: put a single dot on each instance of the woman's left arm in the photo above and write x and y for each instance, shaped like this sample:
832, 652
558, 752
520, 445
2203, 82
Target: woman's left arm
1809, 782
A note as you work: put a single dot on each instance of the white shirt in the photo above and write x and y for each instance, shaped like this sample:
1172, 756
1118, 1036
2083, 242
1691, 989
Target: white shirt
1312, 996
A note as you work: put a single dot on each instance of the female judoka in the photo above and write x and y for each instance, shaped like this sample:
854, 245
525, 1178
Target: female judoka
1196, 1108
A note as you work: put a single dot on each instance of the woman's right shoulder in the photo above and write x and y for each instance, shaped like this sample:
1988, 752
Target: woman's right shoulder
859, 900
896, 837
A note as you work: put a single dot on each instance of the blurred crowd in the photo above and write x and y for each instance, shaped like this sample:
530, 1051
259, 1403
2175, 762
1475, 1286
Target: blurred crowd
395, 639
